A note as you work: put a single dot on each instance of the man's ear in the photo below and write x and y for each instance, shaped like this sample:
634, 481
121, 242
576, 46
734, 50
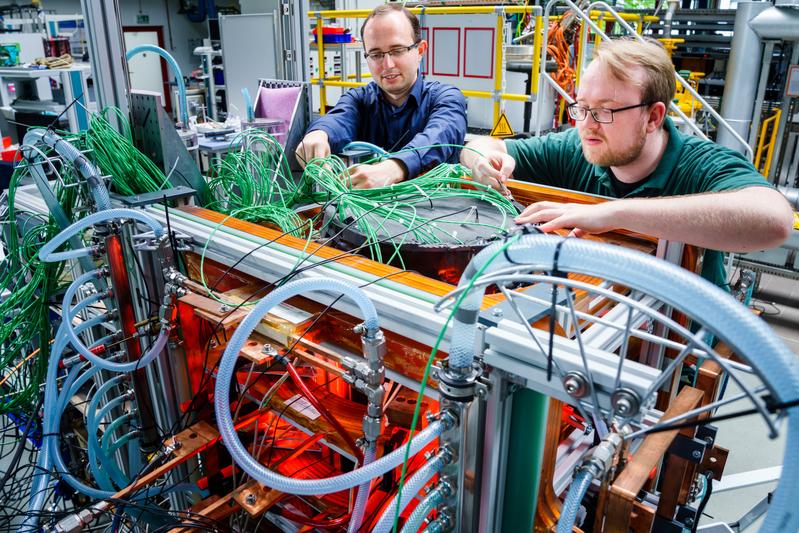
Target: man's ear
657, 114
422, 47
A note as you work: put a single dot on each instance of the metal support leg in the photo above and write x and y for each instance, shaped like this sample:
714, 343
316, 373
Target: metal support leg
107, 52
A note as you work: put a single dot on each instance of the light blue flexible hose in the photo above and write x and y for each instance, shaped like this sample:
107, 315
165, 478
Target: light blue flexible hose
123, 440
47, 252
105, 364
95, 418
425, 507
363, 145
361, 500
571, 505
184, 110
222, 398
111, 429
734, 324
85, 167
414, 484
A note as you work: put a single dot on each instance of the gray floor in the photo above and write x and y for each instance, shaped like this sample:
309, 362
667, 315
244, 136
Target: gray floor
750, 447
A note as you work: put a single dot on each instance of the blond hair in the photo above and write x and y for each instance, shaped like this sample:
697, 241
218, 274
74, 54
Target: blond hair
622, 56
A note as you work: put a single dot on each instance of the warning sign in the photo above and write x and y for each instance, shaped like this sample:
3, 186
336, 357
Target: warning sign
502, 127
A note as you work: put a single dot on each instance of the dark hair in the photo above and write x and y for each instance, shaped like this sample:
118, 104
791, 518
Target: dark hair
392, 7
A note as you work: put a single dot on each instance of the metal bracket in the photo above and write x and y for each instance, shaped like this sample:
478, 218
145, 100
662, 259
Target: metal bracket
690, 449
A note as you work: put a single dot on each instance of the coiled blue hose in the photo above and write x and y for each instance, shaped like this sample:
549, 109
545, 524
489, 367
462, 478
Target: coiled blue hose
222, 398
750, 337
105, 364
47, 252
94, 418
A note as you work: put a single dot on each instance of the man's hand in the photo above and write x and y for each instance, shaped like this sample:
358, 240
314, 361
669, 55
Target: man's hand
583, 219
312, 146
489, 161
493, 169
382, 174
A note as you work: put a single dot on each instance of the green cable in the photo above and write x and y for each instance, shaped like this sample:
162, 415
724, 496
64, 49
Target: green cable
426, 373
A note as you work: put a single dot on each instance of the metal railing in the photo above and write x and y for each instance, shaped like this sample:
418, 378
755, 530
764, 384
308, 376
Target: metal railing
497, 95
585, 17
762, 144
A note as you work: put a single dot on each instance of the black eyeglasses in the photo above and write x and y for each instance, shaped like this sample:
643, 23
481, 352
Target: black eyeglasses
395, 53
600, 114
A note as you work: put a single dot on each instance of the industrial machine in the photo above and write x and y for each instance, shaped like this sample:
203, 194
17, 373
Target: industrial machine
210, 372
258, 350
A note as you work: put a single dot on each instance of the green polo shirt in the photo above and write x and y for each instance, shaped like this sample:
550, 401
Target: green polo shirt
690, 165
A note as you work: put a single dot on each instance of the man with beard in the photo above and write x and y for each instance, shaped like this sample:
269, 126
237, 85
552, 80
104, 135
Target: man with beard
422, 123
624, 146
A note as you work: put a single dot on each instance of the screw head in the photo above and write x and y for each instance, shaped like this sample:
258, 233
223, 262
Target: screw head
696, 454
575, 385
623, 406
251, 499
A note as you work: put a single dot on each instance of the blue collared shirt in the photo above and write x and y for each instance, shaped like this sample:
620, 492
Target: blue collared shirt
433, 114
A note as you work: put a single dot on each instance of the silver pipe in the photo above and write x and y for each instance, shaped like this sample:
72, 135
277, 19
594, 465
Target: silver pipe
669, 17
786, 115
741, 85
774, 23
792, 195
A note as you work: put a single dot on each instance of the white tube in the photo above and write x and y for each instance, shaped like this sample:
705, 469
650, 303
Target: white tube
731, 322
222, 399
47, 254
359, 508
574, 498
414, 484
425, 507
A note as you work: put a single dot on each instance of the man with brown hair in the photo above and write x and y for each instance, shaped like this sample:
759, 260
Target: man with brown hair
624, 146
398, 111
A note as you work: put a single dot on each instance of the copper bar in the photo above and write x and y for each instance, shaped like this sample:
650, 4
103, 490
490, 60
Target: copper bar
629, 483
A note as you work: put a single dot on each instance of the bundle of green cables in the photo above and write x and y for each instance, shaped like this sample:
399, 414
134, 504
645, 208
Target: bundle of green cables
369, 210
131, 171
255, 183
30, 284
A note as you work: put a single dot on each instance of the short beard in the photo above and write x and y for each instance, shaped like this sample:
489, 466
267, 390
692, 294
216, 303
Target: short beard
610, 158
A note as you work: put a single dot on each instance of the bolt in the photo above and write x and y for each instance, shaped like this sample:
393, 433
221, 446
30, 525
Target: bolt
496, 312
696, 454
574, 384
623, 406
689, 521
224, 308
251, 499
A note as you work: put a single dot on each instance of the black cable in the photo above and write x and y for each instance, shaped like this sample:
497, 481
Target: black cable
22, 440
770, 407
708, 475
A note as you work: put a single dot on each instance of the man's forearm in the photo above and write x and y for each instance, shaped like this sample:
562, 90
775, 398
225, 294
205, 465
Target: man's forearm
746, 220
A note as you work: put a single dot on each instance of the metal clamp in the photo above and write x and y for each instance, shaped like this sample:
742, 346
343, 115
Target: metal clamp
460, 385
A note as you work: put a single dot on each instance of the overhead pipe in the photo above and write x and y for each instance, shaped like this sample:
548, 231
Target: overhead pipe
774, 23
